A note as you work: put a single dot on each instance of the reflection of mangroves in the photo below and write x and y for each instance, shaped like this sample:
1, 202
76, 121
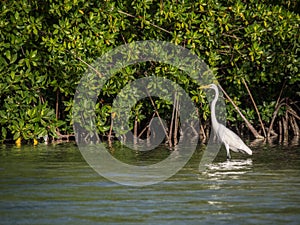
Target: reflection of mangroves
252, 49
18, 142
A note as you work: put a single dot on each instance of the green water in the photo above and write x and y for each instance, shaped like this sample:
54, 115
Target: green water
54, 185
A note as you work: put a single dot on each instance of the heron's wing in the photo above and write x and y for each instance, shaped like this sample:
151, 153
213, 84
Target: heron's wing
233, 140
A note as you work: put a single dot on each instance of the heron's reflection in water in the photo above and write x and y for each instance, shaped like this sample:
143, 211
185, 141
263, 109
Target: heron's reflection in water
231, 169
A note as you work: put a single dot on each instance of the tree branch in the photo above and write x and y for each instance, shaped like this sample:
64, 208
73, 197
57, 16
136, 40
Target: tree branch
251, 128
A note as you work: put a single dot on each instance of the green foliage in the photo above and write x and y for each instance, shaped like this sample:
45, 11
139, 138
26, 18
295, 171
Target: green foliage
44, 44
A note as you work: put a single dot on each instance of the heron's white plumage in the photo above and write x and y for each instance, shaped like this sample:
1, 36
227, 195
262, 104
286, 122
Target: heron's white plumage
230, 139
234, 142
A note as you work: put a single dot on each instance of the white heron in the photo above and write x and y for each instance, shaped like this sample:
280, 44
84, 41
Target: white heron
230, 139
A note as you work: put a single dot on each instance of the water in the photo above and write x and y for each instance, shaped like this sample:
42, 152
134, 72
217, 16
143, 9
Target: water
54, 185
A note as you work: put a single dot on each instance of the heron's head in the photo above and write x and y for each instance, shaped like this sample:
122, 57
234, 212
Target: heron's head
212, 86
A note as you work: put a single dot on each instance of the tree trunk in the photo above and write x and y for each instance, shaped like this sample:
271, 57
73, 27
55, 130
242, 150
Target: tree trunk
277, 107
173, 118
294, 125
159, 118
280, 130
176, 124
57, 104
285, 123
135, 130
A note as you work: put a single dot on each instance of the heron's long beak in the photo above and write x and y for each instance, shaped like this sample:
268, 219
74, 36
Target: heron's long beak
204, 87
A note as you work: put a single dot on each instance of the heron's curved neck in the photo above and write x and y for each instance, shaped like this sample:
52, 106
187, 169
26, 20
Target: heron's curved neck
213, 108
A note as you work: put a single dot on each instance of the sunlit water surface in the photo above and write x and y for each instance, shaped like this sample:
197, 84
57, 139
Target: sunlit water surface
54, 185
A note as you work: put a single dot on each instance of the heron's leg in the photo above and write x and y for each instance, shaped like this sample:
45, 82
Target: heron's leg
228, 153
